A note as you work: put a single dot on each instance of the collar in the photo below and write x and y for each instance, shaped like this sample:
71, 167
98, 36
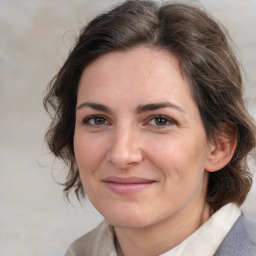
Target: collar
206, 240
203, 242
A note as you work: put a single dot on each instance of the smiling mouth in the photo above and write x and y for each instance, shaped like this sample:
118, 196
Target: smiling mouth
129, 185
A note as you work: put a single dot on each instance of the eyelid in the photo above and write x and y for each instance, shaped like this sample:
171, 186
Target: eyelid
168, 119
85, 121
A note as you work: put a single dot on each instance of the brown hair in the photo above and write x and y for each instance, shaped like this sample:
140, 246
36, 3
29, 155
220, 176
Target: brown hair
203, 48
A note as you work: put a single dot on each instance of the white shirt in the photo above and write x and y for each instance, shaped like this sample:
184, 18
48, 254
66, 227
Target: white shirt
203, 242
206, 240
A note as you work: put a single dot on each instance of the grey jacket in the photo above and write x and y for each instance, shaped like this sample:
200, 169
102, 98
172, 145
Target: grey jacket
240, 241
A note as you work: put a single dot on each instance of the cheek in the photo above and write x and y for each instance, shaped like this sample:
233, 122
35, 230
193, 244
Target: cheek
90, 152
87, 161
169, 152
85, 152
180, 158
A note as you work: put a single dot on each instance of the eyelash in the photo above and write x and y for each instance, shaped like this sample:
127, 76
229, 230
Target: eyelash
87, 120
167, 121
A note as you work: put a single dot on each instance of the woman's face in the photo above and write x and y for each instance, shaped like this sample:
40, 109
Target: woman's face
139, 140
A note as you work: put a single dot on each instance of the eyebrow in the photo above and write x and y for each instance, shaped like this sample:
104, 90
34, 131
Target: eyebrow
94, 106
139, 109
155, 106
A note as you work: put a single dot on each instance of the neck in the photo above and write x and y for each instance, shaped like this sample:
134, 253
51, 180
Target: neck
161, 237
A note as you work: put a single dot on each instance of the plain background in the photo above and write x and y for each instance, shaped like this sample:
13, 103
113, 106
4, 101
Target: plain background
35, 39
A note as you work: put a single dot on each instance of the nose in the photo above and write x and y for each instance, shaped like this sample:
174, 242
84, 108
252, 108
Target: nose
125, 150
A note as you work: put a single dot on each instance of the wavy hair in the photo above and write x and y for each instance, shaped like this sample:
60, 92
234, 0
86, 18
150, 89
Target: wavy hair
203, 47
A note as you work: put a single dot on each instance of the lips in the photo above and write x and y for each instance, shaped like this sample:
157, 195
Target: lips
127, 185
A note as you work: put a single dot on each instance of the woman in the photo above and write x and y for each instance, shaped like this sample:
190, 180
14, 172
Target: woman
149, 117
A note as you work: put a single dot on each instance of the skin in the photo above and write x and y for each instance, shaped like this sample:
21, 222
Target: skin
117, 136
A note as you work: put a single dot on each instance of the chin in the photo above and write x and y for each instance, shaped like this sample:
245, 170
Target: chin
133, 223
127, 218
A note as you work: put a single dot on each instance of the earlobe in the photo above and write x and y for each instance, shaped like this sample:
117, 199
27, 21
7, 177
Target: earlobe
220, 153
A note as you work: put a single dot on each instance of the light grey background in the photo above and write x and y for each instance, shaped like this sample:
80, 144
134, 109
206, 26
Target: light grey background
35, 37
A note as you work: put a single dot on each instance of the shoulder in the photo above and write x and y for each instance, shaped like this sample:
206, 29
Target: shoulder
241, 239
99, 241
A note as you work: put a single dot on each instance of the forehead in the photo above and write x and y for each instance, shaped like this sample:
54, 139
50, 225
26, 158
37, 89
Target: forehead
141, 73
142, 62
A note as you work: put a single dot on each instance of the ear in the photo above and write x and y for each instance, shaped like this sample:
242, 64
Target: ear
221, 149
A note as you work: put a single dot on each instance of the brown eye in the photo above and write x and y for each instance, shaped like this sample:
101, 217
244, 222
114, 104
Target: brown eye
98, 120
160, 120
95, 120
